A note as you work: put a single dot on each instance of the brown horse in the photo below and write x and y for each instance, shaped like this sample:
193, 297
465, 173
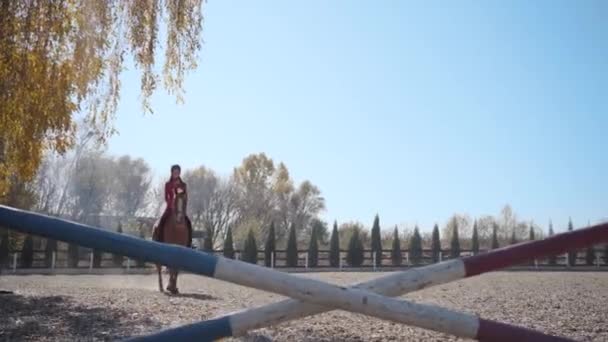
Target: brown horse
175, 231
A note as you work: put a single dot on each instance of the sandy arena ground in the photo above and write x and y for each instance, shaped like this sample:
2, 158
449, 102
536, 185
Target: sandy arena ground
112, 307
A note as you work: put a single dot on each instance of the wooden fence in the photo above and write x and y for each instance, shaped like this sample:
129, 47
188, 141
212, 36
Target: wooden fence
86, 260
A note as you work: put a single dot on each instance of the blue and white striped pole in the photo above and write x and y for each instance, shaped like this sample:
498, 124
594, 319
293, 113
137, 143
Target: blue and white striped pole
241, 273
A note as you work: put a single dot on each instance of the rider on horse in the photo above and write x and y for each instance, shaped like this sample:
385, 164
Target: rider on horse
173, 187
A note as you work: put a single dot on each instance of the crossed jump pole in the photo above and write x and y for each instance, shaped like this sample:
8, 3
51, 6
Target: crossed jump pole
314, 296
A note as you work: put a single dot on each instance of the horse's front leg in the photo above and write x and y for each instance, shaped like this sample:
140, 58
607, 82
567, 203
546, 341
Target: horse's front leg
159, 268
172, 282
176, 272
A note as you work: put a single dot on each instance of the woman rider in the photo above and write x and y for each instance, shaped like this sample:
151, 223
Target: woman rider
174, 186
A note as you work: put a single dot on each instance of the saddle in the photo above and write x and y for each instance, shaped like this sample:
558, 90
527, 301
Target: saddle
157, 232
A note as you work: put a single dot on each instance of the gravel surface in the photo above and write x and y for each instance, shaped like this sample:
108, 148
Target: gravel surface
110, 307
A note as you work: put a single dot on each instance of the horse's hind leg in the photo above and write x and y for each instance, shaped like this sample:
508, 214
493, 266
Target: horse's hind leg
175, 281
159, 268
172, 282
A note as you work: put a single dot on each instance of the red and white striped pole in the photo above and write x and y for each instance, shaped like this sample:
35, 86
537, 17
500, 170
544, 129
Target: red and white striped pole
399, 283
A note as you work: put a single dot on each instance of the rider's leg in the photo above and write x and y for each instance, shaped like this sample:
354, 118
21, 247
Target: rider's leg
161, 225
189, 224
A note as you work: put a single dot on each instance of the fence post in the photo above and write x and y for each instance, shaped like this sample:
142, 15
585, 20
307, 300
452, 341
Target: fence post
567, 260
340, 255
440, 256
536, 263
128, 265
374, 260
306, 260
14, 262
91, 262
407, 258
237, 256
53, 260
271, 259
597, 260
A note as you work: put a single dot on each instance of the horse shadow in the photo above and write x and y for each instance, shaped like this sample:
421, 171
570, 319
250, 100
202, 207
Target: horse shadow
61, 318
197, 296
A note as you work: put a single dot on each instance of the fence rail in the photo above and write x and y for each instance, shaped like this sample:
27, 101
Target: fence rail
107, 260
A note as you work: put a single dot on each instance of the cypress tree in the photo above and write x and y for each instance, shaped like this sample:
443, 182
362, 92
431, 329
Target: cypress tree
118, 260
571, 254
207, 242
354, 255
98, 255
250, 250
475, 240
396, 256
436, 244
73, 255
377, 241
27, 252
513, 238
590, 256
313, 248
51, 247
415, 249
139, 262
292, 247
4, 247
532, 235
229, 245
270, 247
495, 236
455, 244
334, 247
532, 238
552, 260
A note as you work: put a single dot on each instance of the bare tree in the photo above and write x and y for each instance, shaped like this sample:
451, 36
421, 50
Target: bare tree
49, 182
266, 194
253, 180
91, 186
465, 227
223, 211
212, 202
485, 226
85, 138
131, 186
305, 204
507, 223
406, 231
283, 189
156, 200
54, 177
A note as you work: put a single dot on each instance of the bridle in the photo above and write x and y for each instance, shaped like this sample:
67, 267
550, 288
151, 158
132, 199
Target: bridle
179, 208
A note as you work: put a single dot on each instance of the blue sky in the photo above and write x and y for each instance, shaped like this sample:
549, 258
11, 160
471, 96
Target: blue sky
412, 110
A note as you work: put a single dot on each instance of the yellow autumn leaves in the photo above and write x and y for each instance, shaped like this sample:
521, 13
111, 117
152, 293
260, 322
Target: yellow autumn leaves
62, 59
